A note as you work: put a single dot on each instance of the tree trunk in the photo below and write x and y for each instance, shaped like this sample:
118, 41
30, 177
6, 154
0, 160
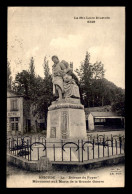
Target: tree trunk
93, 101
103, 101
88, 104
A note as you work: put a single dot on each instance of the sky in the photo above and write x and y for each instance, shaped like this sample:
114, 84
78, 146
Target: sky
46, 31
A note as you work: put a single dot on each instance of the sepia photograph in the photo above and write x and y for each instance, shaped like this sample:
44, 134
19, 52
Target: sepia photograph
65, 97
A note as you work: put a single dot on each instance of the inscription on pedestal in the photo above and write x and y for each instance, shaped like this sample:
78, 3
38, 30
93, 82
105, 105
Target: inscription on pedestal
64, 125
66, 122
53, 132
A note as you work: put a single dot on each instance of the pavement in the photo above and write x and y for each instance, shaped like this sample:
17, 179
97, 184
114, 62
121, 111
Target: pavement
109, 176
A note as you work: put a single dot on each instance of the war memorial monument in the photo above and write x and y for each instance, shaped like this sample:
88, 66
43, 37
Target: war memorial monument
66, 116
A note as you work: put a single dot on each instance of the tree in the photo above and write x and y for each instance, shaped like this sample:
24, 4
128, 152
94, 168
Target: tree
106, 92
98, 70
95, 89
32, 81
32, 67
46, 68
85, 75
9, 78
101, 92
45, 95
22, 83
47, 92
118, 104
88, 75
25, 82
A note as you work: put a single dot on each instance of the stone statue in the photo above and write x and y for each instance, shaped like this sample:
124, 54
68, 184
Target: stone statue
66, 116
59, 69
71, 89
63, 80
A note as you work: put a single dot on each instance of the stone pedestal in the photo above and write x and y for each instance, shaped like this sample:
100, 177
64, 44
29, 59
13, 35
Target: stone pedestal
66, 120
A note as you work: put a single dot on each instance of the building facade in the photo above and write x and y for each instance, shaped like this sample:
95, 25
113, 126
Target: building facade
20, 116
15, 124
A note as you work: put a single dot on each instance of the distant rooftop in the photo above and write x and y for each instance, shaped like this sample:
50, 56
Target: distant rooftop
105, 114
12, 94
106, 108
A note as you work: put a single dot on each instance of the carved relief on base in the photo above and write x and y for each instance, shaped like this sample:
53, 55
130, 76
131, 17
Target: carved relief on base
64, 125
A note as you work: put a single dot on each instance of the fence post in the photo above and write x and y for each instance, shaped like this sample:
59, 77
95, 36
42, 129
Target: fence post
120, 144
28, 148
108, 150
22, 141
38, 152
112, 145
54, 151
13, 146
15, 149
17, 141
25, 151
46, 148
116, 146
82, 150
9, 145
93, 148
111, 140
30, 154
97, 138
62, 148
98, 149
70, 154
88, 152
103, 145
78, 151
100, 141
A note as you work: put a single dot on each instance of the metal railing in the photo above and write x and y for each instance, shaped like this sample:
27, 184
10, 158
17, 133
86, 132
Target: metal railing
33, 148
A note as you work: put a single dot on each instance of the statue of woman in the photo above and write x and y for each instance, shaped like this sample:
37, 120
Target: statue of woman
59, 69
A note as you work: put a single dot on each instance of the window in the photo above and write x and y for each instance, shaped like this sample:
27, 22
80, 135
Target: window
12, 126
16, 127
14, 106
102, 120
14, 123
99, 120
12, 119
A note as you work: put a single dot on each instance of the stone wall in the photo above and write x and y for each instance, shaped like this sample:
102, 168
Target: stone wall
41, 165
45, 165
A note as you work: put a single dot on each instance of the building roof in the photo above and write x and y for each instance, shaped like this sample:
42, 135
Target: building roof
106, 108
105, 115
11, 94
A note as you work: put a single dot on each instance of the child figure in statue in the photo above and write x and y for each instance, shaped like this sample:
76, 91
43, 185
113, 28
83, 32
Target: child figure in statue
71, 89
59, 69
